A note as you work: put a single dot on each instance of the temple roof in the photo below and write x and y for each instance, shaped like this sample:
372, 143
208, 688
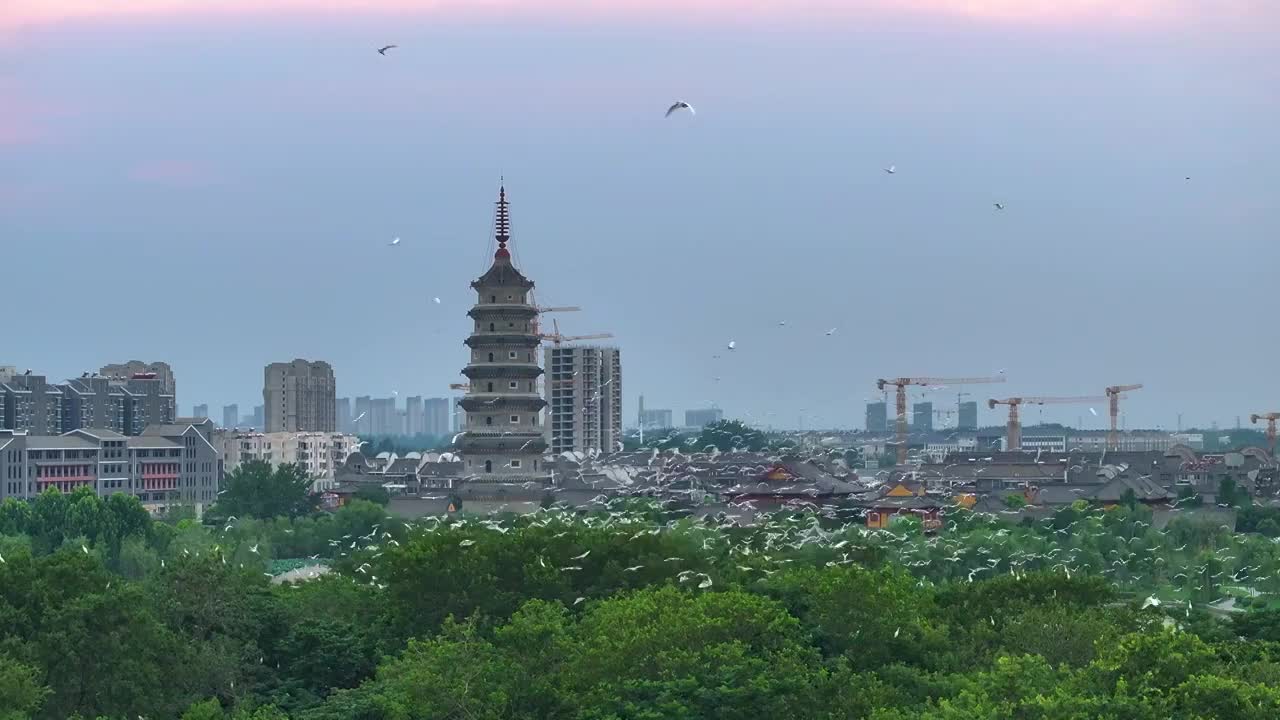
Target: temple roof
502, 273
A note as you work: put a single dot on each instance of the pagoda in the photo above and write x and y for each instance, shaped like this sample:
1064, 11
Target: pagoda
502, 438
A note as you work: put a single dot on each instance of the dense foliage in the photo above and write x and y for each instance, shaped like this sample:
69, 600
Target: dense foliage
627, 613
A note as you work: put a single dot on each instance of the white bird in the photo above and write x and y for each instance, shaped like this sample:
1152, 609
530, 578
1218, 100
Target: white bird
466, 543
1095, 412
896, 631
358, 417
581, 599
634, 568
395, 242
383, 50
1152, 601
999, 206
733, 344
681, 105
253, 548
832, 331
705, 583
436, 300
579, 557
891, 169
1, 558
85, 549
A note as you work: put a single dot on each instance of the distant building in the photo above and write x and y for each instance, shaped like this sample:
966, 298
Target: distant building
584, 394
382, 417
162, 371
968, 416
458, 415
363, 421
342, 413
922, 417
877, 417
126, 406
230, 416
415, 422
200, 411
320, 453
299, 396
656, 419
258, 420
702, 418
436, 417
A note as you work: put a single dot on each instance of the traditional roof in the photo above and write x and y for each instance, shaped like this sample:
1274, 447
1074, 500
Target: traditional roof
1144, 489
151, 443
502, 273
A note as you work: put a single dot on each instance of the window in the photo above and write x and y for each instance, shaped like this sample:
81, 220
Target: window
488, 466
493, 298
515, 463
491, 327
490, 357
513, 385
511, 355
515, 419
489, 387
488, 420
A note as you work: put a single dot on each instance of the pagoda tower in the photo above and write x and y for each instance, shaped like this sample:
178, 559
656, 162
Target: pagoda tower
503, 439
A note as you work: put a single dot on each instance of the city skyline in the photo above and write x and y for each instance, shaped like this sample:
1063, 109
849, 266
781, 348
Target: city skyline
771, 206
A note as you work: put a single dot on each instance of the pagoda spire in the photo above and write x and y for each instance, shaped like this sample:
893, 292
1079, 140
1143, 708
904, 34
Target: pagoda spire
502, 223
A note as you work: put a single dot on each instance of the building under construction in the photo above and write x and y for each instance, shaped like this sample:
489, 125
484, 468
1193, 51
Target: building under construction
584, 394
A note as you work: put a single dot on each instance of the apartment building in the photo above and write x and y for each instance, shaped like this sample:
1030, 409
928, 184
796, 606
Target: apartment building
320, 453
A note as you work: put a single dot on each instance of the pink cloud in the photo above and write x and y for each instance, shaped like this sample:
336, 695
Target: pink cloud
174, 173
42, 12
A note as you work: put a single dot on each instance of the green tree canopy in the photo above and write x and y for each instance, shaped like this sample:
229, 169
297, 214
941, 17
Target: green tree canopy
255, 489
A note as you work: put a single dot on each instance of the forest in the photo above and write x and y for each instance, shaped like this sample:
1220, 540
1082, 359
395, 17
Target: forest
628, 612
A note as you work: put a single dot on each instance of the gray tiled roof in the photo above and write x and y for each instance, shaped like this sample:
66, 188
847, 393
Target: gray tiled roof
59, 442
151, 442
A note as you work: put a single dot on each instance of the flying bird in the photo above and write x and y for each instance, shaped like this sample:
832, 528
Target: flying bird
395, 242
436, 300
383, 50
1095, 412
999, 206
832, 331
733, 344
681, 105
891, 169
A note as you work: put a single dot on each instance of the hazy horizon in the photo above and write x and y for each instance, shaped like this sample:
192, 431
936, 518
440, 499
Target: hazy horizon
216, 186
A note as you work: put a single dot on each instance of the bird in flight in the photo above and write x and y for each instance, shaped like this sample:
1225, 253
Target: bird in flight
681, 105
437, 300
733, 344
395, 242
383, 50
999, 206
891, 169
832, 331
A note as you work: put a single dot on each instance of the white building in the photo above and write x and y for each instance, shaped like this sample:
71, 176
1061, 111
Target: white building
320, 453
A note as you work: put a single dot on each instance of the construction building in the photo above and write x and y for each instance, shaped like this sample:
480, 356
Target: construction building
877, 417
968, 416
502, 440
584, 394
299, 396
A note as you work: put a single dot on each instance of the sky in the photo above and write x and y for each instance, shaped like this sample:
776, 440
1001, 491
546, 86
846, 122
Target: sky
214, 183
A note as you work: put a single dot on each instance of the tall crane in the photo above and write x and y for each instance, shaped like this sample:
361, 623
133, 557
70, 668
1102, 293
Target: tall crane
556, 338
1014, 428
1113, 395
902, 383
1271, 418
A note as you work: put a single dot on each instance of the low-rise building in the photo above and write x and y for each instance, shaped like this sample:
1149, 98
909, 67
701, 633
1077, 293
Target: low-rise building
167, 465
320, 453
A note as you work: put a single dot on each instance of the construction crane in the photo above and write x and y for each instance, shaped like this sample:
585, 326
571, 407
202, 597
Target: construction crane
1271, 418
1113, 395
902, 383
556, 338
1014, 429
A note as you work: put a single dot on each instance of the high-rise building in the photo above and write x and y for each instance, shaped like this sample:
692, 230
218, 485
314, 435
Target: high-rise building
342, 415
503, 439
922, 417
436, 420
200, 411
457, 415
702, 418
230, 416
656, 419
321, 454
382, 417
415, 422
584, 393
126, 406
258, 420
877, 417
363, 421
161, 370
968, 416
299, 396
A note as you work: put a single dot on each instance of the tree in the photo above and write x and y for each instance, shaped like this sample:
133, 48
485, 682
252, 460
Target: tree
1229, 493
728, 435
1015, 501
254, 489
21, 693
372, 493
